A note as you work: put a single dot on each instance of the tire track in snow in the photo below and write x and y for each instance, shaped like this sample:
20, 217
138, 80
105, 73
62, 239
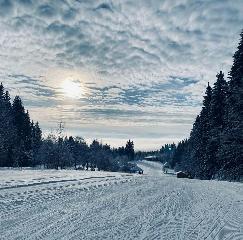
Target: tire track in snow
144, 207
41, 200
51, 182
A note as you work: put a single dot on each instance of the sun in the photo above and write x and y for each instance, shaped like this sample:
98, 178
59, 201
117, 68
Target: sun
71, 89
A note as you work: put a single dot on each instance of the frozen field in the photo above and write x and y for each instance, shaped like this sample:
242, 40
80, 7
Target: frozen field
69, 204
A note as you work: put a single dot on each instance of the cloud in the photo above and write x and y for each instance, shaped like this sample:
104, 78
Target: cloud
46, 10
150, 54
6, 7
33, 88
104, 6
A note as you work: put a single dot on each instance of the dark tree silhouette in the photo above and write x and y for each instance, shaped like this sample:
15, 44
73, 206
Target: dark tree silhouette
215, 146
231, 153
129, 150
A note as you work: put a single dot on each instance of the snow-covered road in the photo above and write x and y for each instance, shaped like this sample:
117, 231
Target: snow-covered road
98, 205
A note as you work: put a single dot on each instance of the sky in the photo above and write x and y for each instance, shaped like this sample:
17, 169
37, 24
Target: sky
116, 69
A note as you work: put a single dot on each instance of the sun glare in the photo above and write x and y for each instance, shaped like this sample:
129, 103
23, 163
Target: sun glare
71, 89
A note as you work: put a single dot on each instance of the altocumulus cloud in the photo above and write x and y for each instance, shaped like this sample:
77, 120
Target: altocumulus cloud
141, 63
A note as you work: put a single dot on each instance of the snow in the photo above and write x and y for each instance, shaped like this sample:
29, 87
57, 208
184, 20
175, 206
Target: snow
68, 204
23, 178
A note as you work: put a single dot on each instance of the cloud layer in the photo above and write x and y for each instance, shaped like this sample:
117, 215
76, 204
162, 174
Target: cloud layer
143, 65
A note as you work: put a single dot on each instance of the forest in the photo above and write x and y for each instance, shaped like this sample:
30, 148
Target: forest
213, 150
22, 144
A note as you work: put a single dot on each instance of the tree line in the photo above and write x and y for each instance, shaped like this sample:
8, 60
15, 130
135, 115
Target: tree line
22, 144
20, 138
215, 146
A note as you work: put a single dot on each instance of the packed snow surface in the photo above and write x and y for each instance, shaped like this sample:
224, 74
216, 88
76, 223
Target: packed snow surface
68, 204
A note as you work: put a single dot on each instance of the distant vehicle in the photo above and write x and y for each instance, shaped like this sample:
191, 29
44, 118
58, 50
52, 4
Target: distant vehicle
136, 169
132, 168
181, 174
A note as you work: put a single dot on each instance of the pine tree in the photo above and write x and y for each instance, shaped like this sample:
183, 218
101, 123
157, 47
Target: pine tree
180, 157
129, 150
3, 151
23, 126
192, 156
73, 147
36, 141
218, 104
231, 152
19, 138
95, 154
197, 163
167, 152
19, 116
215, 146
82, 151
1, 91
217, 122
27, 131
7, 129
193, 163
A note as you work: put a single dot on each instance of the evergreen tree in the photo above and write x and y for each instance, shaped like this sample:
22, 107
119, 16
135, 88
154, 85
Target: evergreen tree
95, 154
198, 164
206, 164
23, 126
36, 141
167, 152
7, 129
27, 132
217, 121
121, 151
231, 153
72, 149
3, 150
218, 104
215, 146
129, 150
180, 155
190, 154
78, 151
82, 151
193, 164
